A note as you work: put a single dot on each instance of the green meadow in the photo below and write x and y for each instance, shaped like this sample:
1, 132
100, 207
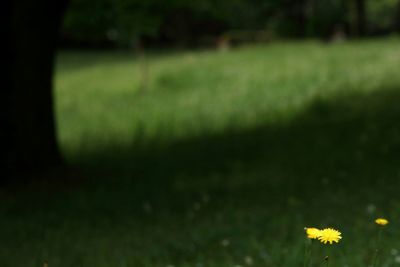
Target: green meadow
217, 159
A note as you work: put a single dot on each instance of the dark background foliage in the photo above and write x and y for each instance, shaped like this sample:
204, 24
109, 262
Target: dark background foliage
178, 22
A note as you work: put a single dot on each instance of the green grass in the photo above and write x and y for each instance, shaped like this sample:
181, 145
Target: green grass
221, 158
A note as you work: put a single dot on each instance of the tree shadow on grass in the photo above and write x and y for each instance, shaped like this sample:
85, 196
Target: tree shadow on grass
348, 142
257, 187
346, 145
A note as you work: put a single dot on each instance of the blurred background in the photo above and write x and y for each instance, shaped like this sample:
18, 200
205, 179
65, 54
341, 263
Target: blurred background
154, 23
199, 133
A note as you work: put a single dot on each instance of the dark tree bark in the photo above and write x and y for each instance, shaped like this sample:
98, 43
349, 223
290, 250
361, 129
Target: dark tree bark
303, 17
28, 136
299, 16
397, 18
360, 17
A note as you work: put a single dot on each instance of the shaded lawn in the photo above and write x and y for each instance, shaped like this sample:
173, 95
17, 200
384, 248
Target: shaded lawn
226, 188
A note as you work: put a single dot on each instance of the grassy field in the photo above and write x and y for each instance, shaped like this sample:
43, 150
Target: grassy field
220, 160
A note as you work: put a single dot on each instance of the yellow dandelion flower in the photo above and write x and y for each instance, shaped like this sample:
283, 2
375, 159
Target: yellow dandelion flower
381, 221
329, 235
313, 233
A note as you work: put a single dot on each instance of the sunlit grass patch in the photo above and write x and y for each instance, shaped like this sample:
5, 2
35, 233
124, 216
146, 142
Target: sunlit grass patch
192, 94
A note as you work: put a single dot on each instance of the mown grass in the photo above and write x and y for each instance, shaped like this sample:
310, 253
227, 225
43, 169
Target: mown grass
222, 158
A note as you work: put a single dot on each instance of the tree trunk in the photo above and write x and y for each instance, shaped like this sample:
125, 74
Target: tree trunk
360, 17
397, 18
28, 134
300, 16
